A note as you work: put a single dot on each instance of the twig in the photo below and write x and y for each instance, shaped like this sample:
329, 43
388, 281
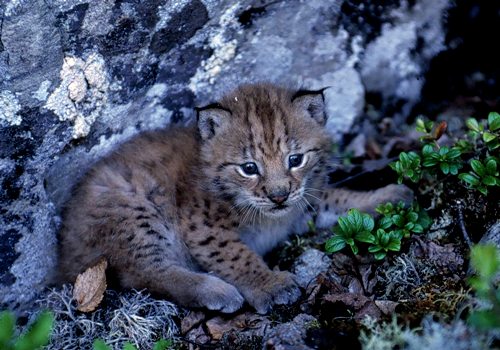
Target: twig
462, 224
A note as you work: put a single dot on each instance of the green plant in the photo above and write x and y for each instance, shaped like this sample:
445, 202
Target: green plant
431, 133
403, 221
490, 134
384, 242
397, 222
485, 260
352, 228
448, 159
161, 344
408, 166
37, 335
483, 175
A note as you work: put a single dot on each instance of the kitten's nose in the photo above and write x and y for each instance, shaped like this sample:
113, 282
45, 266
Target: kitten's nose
278, 197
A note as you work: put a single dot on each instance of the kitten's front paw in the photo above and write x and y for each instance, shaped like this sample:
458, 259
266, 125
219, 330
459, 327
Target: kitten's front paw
280, 289
395, 193
220, 296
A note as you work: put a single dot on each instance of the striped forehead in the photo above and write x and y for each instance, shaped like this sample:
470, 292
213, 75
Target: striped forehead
267, 127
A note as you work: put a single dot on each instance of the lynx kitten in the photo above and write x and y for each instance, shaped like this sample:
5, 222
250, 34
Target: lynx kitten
188, 212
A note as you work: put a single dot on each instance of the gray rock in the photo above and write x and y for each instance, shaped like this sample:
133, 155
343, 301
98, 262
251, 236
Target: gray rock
78, 77
289, 335
492, 236
309, 265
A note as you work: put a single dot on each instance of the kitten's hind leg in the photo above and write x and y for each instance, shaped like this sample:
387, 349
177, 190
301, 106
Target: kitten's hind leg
336, 201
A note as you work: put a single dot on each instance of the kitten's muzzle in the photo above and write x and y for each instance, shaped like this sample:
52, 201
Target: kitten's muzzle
278, 197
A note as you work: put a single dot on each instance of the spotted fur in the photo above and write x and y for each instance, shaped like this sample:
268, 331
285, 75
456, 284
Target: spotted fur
176, 212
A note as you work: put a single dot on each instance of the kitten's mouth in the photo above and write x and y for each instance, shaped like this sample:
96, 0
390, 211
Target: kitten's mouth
279, 207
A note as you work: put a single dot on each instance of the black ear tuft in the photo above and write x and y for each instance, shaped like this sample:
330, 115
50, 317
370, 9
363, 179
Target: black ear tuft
311, 102
210, 119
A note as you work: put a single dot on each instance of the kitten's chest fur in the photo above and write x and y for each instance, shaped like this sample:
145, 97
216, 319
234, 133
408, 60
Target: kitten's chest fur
263, 235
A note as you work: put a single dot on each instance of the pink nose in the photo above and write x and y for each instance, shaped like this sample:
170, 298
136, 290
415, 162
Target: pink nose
278, 198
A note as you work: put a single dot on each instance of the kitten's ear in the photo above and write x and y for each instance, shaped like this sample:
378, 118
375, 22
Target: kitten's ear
311, 102
211, 119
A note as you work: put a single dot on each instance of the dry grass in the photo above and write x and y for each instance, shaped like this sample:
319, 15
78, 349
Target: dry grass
132, 316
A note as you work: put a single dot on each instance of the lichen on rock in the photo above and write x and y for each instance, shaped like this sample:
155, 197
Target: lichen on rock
82, 94
9, 108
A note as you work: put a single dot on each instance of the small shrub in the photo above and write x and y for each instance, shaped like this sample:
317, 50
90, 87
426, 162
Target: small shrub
482, 146
396, 223
37, 335
408, 166
485, 260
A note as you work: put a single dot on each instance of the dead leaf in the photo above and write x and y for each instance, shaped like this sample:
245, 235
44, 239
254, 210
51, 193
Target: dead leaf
443, 256
217, 326
359, 304
90, 286
193, 319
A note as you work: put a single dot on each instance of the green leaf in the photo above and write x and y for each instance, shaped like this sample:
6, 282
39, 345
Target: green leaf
374, 248
398, 220
429, 162
405, 160
129, 346
409, 226
418, 228
485, 260
38, 334
356, 220
335, 244
7, 323
368, 223
427, 150
470, 179
472, 124
454, 153
354, 248
491, 166
483, 190
488, 137
493, 121
420, 126
365, 236
162, 344
380, 255
385, 222
478, 167
454, 169
394, 245
445, 168
311, 226
465, 146
343, 224
384, 239
489, 180
443, 151
99, 344
424, 219
484, 319
492, 145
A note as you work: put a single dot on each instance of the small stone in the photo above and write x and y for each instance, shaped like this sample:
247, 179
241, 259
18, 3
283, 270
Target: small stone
309, 265
289, 335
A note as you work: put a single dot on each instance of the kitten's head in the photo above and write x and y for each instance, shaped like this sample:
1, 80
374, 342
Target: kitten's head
264, 148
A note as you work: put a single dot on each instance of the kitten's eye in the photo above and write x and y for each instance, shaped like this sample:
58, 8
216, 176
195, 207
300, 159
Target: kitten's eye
295, 160
250, 168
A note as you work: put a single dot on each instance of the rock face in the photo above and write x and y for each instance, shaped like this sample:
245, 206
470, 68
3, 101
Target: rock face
77, 77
